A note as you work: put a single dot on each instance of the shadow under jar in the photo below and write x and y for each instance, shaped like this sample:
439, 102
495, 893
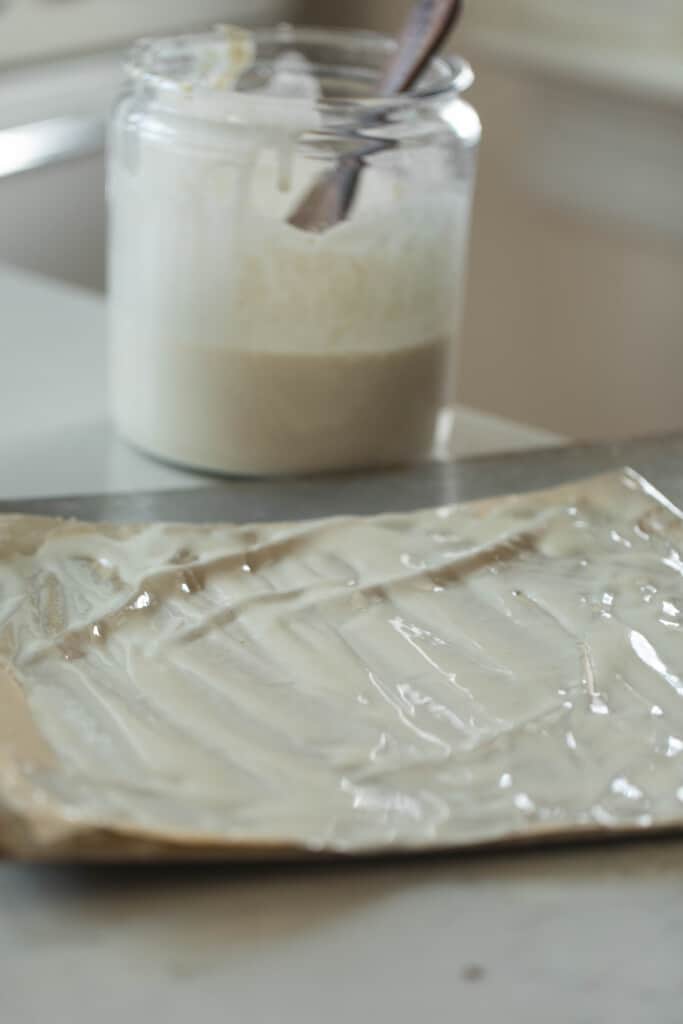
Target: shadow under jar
238, 342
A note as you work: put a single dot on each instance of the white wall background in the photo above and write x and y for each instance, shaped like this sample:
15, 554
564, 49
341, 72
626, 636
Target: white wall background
32, 29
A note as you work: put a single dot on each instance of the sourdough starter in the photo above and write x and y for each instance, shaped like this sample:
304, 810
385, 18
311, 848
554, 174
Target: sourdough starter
242, 344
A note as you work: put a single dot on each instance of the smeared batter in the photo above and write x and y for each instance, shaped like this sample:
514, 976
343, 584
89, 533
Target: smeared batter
446, 678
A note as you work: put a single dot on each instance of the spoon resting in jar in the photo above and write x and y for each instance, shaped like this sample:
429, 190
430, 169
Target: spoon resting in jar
330, 199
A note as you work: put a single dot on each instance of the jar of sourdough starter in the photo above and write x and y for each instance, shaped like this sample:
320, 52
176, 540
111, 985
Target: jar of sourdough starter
240, 342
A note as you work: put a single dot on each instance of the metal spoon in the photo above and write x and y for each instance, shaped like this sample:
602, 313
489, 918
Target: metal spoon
330, 199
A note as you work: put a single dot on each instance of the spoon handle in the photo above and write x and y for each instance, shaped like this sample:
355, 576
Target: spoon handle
426, 29
330, 199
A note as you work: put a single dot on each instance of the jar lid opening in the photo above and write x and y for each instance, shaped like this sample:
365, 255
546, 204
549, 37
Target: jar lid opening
333, 69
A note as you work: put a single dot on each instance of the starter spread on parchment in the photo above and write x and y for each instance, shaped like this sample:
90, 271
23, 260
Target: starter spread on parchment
457, 676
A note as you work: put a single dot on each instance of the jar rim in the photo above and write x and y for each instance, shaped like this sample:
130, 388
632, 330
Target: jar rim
153, 62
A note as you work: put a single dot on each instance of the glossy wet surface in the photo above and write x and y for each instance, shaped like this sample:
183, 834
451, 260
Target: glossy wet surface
444, 678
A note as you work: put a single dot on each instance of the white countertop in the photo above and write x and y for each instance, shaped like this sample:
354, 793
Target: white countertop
576, 936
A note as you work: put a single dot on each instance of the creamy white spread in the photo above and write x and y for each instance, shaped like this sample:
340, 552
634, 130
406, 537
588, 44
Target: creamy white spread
456, 676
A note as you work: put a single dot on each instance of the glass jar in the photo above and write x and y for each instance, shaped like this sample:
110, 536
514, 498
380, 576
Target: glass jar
239, 342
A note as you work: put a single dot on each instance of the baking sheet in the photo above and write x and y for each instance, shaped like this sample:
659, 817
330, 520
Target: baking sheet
246, 500
500, 672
